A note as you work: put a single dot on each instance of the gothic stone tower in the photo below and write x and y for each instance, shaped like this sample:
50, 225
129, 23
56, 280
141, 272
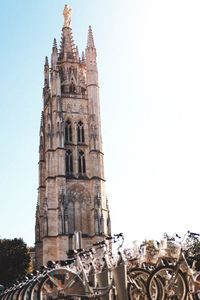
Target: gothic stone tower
71, 193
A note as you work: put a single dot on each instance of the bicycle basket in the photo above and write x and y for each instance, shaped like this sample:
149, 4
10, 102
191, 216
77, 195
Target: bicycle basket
169, 249
131, 254
149, 252
131, 250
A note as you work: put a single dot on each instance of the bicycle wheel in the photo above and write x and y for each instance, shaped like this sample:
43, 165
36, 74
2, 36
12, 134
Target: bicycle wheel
34, 289
170, 281
61, 284
137, 278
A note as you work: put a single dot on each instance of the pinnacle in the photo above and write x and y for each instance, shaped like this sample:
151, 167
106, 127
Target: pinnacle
77, 53
54, 43
67, 43
90, 41
83, 56
46, 61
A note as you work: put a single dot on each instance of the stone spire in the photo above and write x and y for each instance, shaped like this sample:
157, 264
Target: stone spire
46, 61
54, 55
90, 40
46, 73
54, 43
83, 57
77, 53
46, 88
92, 72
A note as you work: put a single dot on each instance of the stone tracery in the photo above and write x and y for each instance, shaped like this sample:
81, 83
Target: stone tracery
78, 200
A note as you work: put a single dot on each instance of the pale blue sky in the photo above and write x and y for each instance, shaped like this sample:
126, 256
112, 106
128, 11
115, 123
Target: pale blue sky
149, 71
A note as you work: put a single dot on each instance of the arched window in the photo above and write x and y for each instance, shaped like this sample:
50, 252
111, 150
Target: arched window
81, 163
80, 133
72, 88
68, 132
69, 162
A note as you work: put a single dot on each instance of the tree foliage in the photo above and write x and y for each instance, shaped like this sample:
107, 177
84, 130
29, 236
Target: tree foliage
192, 251
14, 260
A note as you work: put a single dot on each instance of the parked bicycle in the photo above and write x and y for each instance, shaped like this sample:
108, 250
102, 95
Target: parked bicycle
75, 282
143, 260
175, 280
151, 271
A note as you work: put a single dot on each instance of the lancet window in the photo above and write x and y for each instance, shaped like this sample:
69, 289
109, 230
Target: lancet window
72, 88
81, 163
68, 132
69, 162
80, 133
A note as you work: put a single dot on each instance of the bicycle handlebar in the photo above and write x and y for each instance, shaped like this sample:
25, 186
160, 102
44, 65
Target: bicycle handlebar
178, 236
113, 239
100, 244
193, 233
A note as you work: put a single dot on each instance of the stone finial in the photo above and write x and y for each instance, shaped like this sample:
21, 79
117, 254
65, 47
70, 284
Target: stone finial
67, 15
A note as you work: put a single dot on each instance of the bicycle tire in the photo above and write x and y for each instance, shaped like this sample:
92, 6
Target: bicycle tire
61, 283
171, 289
137, 278
139, 291
34, 288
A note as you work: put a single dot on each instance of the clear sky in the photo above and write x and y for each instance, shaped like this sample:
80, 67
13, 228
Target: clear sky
149, 72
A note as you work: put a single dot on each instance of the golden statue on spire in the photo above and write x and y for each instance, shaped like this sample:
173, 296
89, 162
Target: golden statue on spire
67, 15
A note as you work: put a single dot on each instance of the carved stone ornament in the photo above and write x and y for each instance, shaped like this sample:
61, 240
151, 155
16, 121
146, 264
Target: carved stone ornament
67, 15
